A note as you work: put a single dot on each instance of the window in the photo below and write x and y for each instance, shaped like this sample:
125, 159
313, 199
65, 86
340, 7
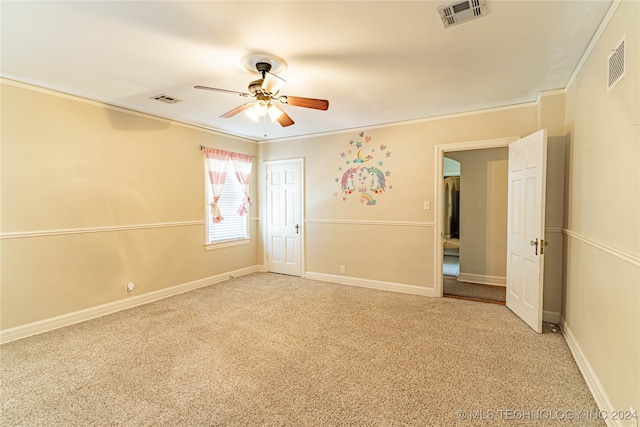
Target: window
233, 226
227, 183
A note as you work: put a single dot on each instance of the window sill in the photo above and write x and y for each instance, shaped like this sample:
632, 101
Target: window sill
227, 244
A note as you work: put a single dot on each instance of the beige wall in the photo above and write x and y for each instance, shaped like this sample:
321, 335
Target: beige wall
87, 180
554, 224
392, 241
602, 271
483, 214
111, 197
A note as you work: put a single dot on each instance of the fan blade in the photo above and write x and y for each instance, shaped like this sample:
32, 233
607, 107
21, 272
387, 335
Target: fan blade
272, 83
282, 118
296, 101
285, 120
214, 89
237, 110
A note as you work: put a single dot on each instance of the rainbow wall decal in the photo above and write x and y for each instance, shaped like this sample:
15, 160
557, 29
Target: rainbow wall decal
366, 198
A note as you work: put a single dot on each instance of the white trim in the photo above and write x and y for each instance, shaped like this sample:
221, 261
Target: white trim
227, 244
404, 123
440, 149
88, 101
551, 317
555, 230
590, 376
202, 128
61, 321
625, 256
362, 222
483, 279
372, 284
476, 145
594, 41
552, 92
106, 229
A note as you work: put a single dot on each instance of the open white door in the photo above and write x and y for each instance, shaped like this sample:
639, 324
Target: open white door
284, 217
526, 226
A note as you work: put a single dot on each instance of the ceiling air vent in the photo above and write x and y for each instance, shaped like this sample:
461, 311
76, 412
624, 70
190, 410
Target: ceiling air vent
617, 63
166, 99
461, 11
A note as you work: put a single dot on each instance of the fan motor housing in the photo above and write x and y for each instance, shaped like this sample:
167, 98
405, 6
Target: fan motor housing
255, 87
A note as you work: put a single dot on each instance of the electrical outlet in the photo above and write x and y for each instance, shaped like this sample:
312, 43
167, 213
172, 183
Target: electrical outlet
129, 288
343, 269
427, 205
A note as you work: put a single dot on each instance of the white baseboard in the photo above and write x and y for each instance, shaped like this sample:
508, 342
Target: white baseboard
482, 279
372, 284
551, 317
594, 384
45, 325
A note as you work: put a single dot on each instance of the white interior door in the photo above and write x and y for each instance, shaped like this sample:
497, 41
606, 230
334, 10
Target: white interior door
284, 218
525, 227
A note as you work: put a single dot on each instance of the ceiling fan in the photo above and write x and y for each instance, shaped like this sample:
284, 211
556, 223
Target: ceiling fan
267, 99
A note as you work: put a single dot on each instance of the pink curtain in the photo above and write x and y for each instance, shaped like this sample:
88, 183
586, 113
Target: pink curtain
242, 164
216, 165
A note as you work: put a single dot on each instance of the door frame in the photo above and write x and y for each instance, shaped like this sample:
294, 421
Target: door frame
263, 219
438, 205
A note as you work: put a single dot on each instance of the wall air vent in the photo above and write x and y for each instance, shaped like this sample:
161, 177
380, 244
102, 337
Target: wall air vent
461, 11
166, 99
617, 64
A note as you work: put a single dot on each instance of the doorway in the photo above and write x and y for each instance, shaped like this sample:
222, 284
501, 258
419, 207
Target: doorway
475, 227
526, 239
284, 231
451, 218
472, 248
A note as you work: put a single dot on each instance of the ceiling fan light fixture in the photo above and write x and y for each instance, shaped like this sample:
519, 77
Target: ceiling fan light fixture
272, 83
266, 91
251, 114
260, 108
274, 112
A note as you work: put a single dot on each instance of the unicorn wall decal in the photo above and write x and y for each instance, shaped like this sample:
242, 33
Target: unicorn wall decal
348, 180
358, 178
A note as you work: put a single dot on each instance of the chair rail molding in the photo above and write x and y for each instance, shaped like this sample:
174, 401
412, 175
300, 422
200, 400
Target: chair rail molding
364, 222
103, 229
623, 255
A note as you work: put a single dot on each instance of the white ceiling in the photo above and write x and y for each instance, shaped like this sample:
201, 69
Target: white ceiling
376, 62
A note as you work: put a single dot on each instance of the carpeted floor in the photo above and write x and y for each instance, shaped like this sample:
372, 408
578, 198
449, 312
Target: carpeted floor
266, 349
452, 287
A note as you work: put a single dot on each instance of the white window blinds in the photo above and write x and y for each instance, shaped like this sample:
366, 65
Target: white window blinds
233, 226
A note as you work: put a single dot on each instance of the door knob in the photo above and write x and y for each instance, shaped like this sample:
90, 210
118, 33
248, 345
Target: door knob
297, 228
535, 243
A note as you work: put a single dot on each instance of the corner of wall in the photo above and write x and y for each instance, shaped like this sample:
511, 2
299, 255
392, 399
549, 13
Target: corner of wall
551, 112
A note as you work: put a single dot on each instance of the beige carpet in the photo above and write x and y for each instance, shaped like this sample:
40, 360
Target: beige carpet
265, 350
452, 287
